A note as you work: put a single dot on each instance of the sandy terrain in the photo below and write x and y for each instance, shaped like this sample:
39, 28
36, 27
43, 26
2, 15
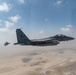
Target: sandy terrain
29, 60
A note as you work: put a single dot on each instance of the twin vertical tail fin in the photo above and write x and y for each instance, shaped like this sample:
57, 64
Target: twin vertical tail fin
21, 37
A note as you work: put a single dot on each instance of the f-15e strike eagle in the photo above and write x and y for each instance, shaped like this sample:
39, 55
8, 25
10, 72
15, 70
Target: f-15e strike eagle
22, 39
6, 43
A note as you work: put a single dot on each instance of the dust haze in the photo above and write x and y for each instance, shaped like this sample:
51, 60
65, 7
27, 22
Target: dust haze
35, 60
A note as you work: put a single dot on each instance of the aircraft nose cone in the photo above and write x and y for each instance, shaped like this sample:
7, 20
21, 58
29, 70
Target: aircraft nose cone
72, 38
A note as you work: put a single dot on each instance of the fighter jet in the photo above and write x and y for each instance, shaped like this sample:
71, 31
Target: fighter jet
61, 37
22, 39
6, 43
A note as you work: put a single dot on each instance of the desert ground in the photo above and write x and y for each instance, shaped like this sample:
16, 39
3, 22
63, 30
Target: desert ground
34, 60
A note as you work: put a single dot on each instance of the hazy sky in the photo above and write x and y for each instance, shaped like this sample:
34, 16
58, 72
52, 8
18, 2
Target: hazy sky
37, 18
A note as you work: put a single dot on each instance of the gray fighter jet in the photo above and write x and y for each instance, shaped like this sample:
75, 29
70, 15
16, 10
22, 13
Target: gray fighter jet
6, 43
22, 39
